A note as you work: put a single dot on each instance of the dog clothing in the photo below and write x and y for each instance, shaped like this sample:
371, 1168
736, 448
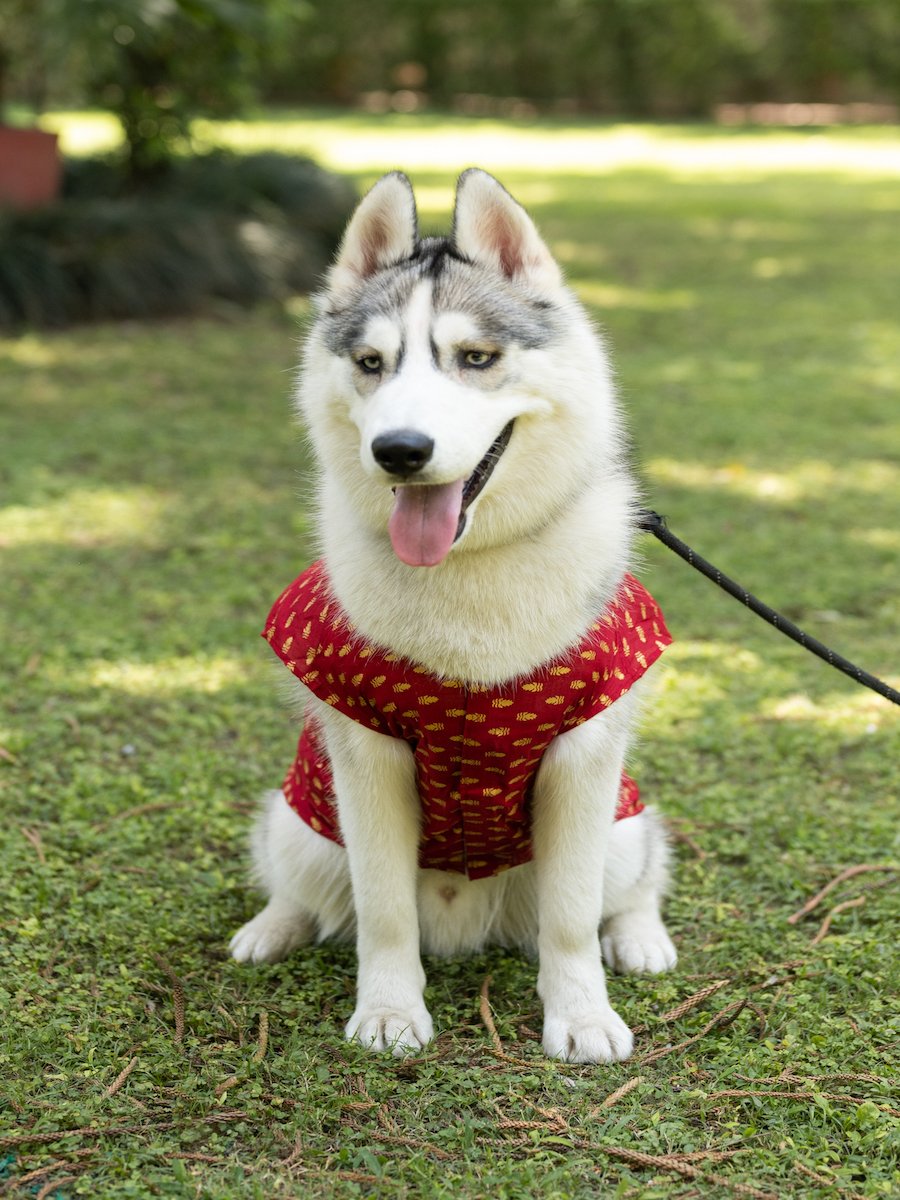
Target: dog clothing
477, 748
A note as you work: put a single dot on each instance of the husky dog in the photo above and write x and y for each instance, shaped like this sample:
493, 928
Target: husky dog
476, 515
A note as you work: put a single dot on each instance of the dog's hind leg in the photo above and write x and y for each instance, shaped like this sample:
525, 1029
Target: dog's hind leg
307, 882
634, 939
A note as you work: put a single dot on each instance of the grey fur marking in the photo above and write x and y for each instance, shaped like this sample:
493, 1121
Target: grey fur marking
506, 313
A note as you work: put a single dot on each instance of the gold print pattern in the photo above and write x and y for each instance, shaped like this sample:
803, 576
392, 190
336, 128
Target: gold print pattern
475, 814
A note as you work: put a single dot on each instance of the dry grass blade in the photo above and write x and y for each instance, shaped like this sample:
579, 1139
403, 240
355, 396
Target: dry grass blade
849, 873
263, 1041
34, 837
177, 997
138, 810
484, 1008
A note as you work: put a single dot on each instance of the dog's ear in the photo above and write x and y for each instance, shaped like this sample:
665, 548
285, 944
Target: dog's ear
381, 231
491, 228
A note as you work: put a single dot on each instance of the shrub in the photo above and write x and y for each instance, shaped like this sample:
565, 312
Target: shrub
214, 226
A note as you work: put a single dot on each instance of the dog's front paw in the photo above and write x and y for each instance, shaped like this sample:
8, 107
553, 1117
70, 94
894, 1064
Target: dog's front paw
637, 944
271, 935
599, 1037
400, 1031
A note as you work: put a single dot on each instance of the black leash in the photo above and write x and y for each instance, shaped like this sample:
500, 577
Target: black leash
653, 523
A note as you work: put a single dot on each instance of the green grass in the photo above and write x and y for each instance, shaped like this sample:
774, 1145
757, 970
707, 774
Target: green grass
153, 508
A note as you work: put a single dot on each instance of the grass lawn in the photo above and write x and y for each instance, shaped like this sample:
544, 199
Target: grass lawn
152, 495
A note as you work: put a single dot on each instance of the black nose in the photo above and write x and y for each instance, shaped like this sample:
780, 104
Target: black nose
402, 451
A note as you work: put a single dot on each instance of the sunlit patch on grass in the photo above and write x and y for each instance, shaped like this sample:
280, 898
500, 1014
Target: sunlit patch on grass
810, 479
609, 295
167, 676
359, 142
86, 517
774, 268
28, 351
857, 711
881, 539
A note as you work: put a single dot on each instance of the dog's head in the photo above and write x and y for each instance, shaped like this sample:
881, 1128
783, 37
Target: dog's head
442, 360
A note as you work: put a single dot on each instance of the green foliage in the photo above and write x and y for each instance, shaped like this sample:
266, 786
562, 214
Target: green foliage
152, 512
155, 63
215, 226
624, 56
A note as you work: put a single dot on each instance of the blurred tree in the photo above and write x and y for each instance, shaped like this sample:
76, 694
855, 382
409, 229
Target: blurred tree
154, 63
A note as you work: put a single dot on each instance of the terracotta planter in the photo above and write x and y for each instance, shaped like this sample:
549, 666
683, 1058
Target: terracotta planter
30, 167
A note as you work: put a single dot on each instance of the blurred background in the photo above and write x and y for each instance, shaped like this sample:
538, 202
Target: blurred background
160, 78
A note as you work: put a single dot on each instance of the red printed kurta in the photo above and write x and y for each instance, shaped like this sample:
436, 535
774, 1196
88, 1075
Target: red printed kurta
477, 748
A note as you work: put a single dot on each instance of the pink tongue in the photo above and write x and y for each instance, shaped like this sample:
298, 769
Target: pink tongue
424, 522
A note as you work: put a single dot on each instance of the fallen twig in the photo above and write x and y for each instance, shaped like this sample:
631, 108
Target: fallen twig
692, 1001
834, 1097
484, 1008
53, 1185
838, 908
824, 1181
724, 1017
618, 1094
676, 1163
120, 1078
848, 873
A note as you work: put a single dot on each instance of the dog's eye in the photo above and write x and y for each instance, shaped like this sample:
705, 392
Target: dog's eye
370, 363
478, 358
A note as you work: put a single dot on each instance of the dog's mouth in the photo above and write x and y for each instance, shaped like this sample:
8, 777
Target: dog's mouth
428, 518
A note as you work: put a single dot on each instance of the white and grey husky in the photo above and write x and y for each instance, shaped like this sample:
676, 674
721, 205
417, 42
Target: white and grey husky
470, 649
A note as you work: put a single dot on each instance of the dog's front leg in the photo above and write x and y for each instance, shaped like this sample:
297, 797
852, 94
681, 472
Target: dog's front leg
380, 815
575, 797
